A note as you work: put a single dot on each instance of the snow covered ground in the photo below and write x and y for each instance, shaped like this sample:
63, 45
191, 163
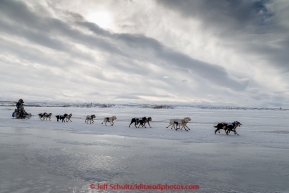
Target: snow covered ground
51, 156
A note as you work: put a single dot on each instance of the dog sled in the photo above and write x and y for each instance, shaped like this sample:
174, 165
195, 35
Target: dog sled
18, 114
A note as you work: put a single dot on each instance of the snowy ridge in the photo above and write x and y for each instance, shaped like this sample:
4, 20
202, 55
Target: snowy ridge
153, 106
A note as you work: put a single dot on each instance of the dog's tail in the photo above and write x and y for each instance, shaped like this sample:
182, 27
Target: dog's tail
216, 126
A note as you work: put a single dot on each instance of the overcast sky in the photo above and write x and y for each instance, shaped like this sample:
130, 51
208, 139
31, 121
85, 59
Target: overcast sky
217, 52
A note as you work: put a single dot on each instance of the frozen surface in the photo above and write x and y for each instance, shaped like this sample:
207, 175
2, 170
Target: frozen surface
50, 156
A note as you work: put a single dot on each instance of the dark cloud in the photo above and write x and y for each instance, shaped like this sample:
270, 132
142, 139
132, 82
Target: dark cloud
253, 27
225, 14
216, 74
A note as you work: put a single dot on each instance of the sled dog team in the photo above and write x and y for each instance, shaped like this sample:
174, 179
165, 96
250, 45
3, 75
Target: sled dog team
142, 121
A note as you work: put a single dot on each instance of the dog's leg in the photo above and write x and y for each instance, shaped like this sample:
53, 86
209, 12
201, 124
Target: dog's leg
176, 125
140, 124
131, 122
185, 126
149, 124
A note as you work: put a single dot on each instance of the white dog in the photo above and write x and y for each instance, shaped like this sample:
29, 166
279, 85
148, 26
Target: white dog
179, 122
109, 119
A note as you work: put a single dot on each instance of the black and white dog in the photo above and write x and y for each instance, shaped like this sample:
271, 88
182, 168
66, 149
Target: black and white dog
228, 127
68, 117
41, 115
136, 121
47, 116
61, 117
89, 118
142, 122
